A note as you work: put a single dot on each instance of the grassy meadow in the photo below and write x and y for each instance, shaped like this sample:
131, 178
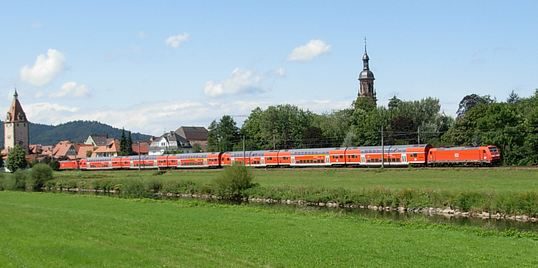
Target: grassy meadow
450, 179
61, 230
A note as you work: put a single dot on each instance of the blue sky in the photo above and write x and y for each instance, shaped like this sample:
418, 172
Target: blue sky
152, 66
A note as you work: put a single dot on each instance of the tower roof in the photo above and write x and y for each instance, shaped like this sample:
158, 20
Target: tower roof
15, 113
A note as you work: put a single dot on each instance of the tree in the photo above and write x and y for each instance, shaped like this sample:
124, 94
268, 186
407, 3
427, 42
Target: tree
334, 126
222, 135
513, 98
228, 133
16, 159
362, 103
123, 143
470, 101
394, 102
129, 144
213, 137
196, 148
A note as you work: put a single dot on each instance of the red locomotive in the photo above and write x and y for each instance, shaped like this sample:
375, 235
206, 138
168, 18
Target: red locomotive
365, 156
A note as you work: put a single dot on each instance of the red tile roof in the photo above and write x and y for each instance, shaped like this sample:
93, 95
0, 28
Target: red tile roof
83, 149
61, 150
144, 148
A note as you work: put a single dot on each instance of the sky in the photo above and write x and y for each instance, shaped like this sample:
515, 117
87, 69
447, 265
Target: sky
152, 66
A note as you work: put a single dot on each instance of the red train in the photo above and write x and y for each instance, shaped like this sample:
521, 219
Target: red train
366, 156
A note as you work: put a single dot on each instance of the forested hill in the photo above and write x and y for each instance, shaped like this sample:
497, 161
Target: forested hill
76, 131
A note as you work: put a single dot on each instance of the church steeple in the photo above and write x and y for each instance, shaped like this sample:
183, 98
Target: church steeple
366, 77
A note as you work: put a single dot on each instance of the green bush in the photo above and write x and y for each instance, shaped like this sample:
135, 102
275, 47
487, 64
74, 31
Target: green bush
153, 185
19, 177
55, 165
233, 181
133, 188
39, 175
181, 187
2, 180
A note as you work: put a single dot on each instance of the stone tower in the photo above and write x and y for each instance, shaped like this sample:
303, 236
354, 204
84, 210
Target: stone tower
366, 78
16, 126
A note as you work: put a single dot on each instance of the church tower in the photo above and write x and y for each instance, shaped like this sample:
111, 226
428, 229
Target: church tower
16, 126
366, 78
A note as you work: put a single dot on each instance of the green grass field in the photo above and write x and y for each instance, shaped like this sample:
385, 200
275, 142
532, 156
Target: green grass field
60, 230
457, 179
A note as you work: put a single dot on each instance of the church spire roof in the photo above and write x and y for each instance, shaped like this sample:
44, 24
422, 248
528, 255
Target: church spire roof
365, 57
16, 113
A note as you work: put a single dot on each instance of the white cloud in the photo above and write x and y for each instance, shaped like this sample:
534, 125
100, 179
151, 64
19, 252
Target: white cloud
157, 117
309, 51
39, 112
240, 81
175, 41
281, 72
71, 89
45, 68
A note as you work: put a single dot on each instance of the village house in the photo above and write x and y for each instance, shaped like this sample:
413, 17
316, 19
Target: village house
84, 150
64, 150
97, 140
140, 148
111, 148
195, 135
169, 142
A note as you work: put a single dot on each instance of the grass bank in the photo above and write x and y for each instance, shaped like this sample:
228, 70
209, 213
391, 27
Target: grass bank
454, 179
60, 230
504, 191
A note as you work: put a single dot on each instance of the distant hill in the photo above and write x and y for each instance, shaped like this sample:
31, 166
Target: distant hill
76, 131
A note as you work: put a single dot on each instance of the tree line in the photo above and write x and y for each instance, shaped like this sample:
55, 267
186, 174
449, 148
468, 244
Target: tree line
511, 125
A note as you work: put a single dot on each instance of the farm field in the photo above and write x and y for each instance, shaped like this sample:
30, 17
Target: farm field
61, 230
449, 179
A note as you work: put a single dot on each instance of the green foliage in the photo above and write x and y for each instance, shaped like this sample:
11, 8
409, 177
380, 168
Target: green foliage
511, 126
196, 148
54, 164
470, 101
281, 127
223, 135
181, 187
233, 181
16, 159
133, 188
15, 181
123, 144
39, 175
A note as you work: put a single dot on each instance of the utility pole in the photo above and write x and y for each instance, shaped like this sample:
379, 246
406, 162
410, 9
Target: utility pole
139, 156
274, 142
418, 134
244, 160
382, 148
